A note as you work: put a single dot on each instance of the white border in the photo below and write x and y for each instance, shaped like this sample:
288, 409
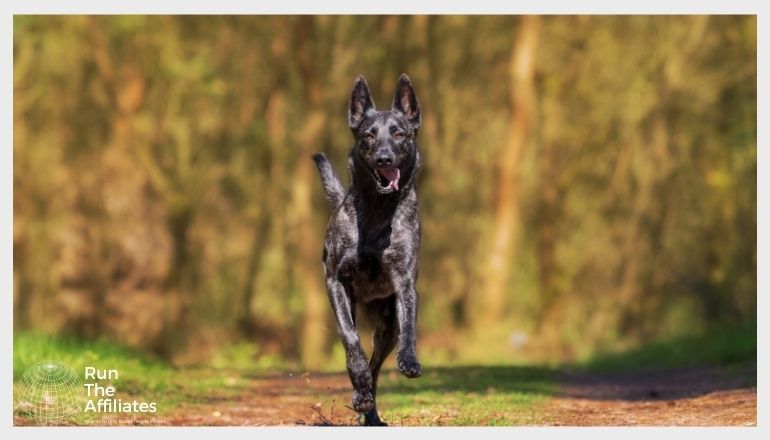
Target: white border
385, 7
9, 8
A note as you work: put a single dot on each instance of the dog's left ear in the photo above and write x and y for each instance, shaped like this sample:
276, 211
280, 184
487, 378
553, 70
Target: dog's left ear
406, 102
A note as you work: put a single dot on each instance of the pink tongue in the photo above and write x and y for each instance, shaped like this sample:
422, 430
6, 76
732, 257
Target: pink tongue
392, 175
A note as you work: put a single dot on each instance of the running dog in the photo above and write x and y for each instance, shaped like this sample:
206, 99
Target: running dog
371, 247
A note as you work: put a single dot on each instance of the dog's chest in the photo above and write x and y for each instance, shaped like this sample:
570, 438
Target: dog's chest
371, 279
381, 235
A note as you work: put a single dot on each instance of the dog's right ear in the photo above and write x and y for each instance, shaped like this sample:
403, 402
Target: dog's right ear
361, 102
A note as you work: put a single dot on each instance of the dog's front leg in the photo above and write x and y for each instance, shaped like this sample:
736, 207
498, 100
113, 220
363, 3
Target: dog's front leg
358, 368
406, 312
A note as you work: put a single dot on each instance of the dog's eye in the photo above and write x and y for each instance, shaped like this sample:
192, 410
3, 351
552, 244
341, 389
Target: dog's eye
399, 136
368, 137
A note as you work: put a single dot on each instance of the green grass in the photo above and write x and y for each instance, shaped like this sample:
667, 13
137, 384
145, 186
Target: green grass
721, 346
29, 348
462, 396
141, 376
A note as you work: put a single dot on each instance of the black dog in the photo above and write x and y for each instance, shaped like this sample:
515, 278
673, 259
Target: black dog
373, 238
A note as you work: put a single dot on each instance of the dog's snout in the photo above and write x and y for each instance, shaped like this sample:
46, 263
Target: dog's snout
384, 159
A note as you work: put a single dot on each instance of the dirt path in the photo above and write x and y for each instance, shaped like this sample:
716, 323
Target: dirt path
289, 399
685, 397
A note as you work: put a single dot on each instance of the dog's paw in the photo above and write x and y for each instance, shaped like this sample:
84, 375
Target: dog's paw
408, 366
363, 402
370, 419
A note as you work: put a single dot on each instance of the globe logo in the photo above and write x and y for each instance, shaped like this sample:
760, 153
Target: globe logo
49, 393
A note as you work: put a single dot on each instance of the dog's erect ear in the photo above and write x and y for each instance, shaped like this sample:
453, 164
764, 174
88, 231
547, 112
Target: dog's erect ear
361, 102
406, 102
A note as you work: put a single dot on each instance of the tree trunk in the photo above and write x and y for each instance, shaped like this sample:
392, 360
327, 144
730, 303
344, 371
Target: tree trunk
309, 272
522, 69
308, 239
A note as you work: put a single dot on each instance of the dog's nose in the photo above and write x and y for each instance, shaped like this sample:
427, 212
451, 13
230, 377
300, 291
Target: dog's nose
384, 160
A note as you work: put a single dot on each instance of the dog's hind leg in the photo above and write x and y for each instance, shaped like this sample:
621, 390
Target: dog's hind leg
382, 313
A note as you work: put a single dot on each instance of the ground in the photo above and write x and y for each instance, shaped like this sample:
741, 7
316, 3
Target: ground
693, 396
708, 380
700, 396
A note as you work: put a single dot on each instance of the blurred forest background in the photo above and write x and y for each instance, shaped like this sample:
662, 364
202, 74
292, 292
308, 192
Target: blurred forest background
589, 183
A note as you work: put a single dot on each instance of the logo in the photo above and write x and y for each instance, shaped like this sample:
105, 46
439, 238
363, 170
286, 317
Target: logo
50, 393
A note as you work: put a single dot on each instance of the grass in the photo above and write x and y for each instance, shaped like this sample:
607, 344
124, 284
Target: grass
462, 395
720, 346
141, 377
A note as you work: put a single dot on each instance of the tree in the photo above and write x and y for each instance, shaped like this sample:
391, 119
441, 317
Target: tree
522, 94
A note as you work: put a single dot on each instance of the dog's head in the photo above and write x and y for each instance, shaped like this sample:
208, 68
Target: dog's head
385, 141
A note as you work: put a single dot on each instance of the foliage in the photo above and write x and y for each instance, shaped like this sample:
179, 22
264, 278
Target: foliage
164, 197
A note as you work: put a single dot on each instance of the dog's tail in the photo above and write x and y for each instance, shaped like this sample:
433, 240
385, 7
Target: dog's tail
332, 186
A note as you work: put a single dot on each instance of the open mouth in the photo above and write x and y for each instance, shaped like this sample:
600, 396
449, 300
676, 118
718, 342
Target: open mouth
387, 179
